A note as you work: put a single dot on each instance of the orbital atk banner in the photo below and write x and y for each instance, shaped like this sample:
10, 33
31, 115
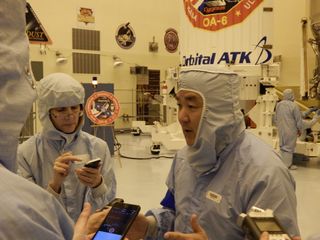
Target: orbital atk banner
222, 32
258, 55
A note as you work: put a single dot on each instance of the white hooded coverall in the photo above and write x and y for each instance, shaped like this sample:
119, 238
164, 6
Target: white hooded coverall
36, 156
289, 123
226, 171
27, 211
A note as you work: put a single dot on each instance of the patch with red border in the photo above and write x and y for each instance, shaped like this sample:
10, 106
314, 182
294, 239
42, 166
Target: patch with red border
171, 40
102, 108
214, 15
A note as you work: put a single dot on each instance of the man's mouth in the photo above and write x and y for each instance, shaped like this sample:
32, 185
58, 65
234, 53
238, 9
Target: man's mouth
187, 130
69, 124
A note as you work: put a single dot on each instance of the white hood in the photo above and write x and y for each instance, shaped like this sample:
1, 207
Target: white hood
288, 94
222, 120
16, 87
58, 90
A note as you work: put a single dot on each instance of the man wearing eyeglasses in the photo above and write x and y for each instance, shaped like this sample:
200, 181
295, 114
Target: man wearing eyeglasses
54, 159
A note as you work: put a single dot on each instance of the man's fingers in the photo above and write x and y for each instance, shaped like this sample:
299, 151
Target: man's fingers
198, 232
91, 170
80, 228
61, 165
296, 238
84, 216
66, 154
68, 159
195, 225
174, 236
61, 170
96, 219
264, 236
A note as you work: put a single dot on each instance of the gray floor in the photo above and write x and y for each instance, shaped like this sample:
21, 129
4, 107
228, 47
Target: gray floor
143, 181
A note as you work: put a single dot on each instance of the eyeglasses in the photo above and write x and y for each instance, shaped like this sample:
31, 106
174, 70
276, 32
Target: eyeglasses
62, 112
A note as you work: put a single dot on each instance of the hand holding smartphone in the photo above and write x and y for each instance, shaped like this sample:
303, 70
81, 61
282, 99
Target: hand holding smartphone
94, 163
118, 221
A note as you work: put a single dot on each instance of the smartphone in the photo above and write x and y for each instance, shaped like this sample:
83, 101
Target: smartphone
94, 163
118, 221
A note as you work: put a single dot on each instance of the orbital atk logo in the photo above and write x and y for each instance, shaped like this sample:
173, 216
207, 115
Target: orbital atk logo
258, 55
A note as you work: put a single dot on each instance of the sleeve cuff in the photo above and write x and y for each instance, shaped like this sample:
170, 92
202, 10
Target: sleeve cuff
53, 192
152, 230
100, 190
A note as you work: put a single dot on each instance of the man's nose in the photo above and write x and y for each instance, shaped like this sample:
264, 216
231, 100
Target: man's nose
183, 115
69, 112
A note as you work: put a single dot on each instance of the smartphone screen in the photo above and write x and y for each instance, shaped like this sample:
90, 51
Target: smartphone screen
117, 222
255, 226
267, 225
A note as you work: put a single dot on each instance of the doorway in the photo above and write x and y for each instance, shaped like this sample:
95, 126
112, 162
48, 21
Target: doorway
149, 99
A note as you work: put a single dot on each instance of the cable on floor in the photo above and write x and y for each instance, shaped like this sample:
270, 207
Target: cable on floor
145, 158
117, 147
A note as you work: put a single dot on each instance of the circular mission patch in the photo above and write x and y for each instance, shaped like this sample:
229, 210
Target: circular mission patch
214, 15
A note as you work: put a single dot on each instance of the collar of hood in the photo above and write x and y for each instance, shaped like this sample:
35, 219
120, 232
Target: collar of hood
221, 122
51, 133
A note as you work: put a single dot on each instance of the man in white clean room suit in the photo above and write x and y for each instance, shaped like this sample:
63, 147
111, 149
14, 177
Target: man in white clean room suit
289, 122
224, 170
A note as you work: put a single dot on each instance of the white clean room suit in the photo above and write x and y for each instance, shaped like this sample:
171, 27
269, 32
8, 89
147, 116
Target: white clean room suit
289, 122
227, 170
27, 211
37, 155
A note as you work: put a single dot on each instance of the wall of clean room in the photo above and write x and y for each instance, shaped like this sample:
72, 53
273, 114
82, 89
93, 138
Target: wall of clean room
288, 39
150, 19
